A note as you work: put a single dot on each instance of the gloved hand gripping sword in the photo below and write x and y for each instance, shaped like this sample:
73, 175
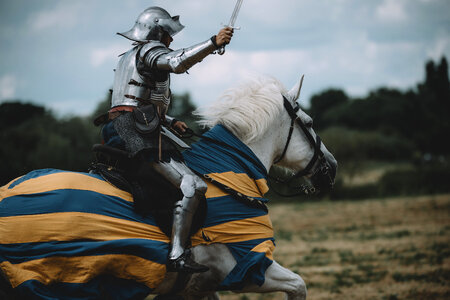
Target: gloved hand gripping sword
233, 18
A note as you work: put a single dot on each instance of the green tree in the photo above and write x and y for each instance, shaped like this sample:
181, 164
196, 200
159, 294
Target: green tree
420, 115
323, 103
434, 95
36, 139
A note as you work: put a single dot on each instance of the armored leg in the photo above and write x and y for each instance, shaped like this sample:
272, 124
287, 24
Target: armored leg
192, 188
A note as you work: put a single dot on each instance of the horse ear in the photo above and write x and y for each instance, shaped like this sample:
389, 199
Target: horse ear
294, 93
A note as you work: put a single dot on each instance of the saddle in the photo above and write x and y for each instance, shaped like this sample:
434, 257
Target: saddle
152, 193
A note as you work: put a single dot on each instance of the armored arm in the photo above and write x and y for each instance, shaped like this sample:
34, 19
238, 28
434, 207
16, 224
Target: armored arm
179, 61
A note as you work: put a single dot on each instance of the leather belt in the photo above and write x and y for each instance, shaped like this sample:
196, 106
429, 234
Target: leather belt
116, 111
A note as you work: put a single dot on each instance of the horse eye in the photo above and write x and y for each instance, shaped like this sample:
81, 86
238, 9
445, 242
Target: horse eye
309, 123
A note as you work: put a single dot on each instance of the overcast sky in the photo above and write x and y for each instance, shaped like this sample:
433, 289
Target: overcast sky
62, 53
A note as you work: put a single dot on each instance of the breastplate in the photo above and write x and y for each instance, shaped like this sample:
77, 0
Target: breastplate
132, 87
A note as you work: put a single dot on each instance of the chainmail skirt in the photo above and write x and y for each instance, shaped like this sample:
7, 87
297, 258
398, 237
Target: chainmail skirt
121, 133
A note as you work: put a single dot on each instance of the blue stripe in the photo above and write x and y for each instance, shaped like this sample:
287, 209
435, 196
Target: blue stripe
226, 209
147, 249
221, 133
43, 172
251, 266
102, 287
239, 249
207, 157
68, 200
33, 174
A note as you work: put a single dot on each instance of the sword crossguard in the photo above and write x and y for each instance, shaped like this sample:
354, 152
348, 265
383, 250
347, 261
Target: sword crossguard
232, 27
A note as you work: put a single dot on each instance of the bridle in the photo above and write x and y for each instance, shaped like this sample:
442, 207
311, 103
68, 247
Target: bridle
316, 166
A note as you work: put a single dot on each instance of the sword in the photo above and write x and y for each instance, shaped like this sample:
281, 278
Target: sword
174, 138
233, 18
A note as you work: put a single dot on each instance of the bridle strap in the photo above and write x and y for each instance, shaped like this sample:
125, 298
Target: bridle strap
293, 114
315, 143
291, 130
311, 163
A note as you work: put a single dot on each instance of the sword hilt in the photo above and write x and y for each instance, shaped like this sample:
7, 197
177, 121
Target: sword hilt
221, 49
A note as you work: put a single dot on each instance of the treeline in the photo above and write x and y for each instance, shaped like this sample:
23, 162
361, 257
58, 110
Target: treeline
388, 125
403, 124
32, 137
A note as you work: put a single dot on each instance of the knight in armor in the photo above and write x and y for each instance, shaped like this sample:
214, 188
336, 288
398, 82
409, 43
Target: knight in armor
137, 121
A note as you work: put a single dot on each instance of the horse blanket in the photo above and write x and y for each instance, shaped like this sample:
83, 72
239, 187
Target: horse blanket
246, 231
71, 235
68, 235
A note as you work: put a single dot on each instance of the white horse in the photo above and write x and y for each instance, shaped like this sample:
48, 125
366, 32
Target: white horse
255, 113
261, 114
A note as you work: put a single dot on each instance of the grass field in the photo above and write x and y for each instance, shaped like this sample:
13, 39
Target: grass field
389, 249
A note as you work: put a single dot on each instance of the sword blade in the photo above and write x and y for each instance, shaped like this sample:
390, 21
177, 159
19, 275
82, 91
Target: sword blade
233, 18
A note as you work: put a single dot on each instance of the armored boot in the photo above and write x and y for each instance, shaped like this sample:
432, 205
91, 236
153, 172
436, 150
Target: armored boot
179, 258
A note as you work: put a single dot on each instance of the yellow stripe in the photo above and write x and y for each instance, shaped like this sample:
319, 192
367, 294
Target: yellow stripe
82, 269
236, 231
266, 247
64, 180
240, 183
213, 191
67, 226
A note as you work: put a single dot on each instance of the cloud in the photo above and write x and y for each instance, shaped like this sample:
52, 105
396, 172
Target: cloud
8, 85
64, 14
391, 11
100, 56
210, 78
356, 65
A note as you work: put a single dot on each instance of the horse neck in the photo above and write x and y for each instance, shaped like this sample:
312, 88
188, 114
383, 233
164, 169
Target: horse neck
265, 148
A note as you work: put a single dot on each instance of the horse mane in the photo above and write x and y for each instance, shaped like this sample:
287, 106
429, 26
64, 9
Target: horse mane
247, 110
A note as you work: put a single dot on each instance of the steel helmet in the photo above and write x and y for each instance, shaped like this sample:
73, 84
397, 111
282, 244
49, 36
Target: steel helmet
151, 24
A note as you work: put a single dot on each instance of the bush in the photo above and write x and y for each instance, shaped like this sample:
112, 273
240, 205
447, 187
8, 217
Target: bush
355, 145
425, 180
420, 181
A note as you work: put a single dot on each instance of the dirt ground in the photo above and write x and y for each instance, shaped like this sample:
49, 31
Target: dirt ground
389, 249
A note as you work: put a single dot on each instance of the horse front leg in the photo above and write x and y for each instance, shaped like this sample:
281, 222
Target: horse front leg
280, 279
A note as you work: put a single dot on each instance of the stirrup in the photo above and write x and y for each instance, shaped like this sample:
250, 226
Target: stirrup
185, 264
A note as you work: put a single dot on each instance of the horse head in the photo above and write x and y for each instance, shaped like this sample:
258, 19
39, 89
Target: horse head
303, 151
267, 118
